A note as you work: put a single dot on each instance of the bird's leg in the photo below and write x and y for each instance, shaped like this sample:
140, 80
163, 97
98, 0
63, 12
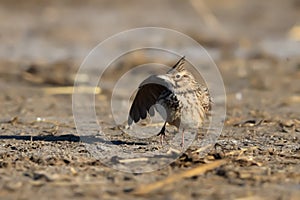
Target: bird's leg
182, 139
162, 133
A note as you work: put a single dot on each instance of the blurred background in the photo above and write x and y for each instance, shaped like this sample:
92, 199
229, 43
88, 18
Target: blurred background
43, 31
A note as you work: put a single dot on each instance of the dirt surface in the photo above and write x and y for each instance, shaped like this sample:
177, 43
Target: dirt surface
256, 48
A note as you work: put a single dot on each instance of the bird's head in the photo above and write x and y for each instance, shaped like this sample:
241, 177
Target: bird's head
179, 76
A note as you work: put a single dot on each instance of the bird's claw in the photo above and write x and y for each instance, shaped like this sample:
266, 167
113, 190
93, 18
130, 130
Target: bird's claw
162, 136
162, 139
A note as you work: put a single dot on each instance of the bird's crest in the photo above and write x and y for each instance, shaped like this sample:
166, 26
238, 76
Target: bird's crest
179, 65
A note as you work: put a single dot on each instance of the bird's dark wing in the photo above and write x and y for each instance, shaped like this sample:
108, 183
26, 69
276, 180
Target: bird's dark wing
147, 95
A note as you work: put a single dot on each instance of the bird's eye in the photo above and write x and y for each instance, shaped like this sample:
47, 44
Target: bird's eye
177, 76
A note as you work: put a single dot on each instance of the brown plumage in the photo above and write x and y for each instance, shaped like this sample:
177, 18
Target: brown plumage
185, 101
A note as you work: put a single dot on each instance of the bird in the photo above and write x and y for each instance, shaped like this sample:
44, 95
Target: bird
177, 96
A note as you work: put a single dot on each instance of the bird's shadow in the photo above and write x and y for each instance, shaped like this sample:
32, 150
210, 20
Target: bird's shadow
89, 139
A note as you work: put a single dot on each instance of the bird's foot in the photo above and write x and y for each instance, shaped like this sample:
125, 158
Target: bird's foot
181, 145
162, 134
162, 137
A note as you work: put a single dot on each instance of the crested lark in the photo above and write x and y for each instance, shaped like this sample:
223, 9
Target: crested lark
183, 102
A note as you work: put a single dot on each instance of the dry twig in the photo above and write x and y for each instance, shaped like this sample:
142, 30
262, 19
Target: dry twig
145, 189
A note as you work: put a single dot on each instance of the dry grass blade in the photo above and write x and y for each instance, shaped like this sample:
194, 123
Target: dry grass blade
295, 99
202, 149
133, 160
71, 90
294, 33
145, 189
240, 151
